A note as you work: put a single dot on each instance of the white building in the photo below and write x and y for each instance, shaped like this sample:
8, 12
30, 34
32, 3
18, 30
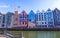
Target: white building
41, 19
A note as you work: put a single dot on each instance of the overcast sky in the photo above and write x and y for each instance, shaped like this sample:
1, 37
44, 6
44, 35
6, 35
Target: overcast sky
27, 5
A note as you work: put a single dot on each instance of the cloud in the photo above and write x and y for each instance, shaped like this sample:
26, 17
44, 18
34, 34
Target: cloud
56, 4
4, 6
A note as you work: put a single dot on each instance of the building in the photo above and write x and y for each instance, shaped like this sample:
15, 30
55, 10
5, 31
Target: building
31, 16
50, 19
41, 19
8, 20
3, 23
56, 15
15, 19
38, 19
31, 19
1, 20
23, 19
44, 19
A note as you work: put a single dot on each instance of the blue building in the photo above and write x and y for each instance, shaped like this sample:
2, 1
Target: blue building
8, 19
50, 19
31, 19
56, 15
31, 16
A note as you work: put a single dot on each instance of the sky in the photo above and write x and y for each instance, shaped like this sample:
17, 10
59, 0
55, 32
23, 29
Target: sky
27, 5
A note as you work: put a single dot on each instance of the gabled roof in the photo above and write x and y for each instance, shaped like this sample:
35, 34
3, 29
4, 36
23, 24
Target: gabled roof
42, 11
38, 11
0, 13
56, 9
8, 13
48, 9
23, 12
31, 12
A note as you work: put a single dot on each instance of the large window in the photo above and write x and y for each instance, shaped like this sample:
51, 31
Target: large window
39, 17
45, 16
42, 18
36, 17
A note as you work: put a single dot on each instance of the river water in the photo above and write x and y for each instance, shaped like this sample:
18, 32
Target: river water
36, 34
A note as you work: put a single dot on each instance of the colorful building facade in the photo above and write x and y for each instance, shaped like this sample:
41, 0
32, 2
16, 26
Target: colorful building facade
8, 20
1, 20
41, 19
3, 23
56, 16
38, 22
31, 19
15, 19
50, 19
23, 19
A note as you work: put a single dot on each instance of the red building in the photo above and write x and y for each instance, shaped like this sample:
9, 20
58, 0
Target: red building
23, 19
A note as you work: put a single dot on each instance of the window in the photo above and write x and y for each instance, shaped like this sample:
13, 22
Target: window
15, 24
42, 22
36, 17
16, 19
41, 13
29, 19
39, 17
45, 22
42, 16
37, 22
3, 25
45, 17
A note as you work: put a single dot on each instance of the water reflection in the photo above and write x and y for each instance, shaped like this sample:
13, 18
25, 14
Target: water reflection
35, 34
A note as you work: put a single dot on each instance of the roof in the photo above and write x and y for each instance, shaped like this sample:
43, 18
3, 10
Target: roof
23, 12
